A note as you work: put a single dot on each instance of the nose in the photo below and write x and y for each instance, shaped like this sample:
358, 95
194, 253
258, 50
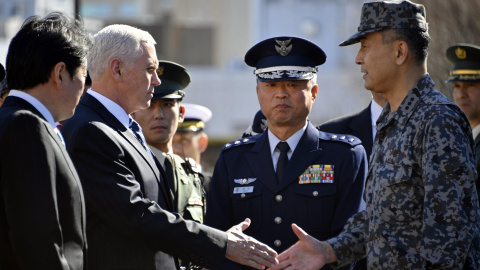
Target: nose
281, 91
156, 80
459, 91
359, 58
159, 113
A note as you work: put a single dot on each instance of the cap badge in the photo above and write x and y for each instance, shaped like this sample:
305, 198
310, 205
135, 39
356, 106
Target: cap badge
284, 49
461, 53
160, 70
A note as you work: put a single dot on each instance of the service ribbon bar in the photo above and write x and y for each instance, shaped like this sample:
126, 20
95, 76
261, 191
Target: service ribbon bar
316, 174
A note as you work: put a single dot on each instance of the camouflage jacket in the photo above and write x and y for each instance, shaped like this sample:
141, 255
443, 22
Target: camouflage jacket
422, 207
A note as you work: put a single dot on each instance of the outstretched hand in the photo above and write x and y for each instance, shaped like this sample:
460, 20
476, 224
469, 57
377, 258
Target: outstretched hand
308, 253
246, 250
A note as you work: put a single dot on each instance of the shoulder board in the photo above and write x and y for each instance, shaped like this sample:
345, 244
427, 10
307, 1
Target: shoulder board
242, 141
344, 138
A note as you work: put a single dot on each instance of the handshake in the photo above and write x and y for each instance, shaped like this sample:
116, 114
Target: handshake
307, 253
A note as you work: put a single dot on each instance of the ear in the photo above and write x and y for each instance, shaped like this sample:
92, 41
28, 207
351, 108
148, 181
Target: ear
203, 142
59, 74
115, 69
402, 51
181, 114
314, 92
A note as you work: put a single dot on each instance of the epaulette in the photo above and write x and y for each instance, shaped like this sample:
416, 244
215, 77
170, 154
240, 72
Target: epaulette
348, 139
242, 141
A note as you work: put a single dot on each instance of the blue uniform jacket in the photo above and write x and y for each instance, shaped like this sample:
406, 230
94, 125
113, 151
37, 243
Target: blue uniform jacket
244, 185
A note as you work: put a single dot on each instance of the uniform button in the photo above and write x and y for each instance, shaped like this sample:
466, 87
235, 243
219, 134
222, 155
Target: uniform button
315, 193
278, 198
278, 220
242, 196
277, 243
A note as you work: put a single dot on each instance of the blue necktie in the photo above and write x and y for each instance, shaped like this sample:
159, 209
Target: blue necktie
282, 159
137, 131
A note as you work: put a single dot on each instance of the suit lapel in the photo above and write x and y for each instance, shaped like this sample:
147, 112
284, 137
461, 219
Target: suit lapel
260, 160
113, 122
305, 153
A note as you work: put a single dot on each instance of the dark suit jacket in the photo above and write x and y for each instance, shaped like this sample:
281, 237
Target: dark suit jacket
42, 210
358, 125
321, 209
128, 225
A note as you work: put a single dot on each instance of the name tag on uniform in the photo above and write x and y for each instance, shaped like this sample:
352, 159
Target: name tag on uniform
238, 190
316, 174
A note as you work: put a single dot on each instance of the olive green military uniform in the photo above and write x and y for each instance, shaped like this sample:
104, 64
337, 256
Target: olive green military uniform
186, 188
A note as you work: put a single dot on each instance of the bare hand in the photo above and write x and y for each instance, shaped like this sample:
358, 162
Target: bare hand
308, 253
246, 250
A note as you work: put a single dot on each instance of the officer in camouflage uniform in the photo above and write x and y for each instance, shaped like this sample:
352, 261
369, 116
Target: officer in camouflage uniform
159, 122
465, 78
422, 207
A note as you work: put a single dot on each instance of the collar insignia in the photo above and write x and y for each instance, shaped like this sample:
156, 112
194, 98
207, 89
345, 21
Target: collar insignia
284, 49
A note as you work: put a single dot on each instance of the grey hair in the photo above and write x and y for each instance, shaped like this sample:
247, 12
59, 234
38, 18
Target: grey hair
116, 41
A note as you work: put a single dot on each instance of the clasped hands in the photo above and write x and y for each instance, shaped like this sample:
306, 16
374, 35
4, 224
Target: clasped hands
307, 253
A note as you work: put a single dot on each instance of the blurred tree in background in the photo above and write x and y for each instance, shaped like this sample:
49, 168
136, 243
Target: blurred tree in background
450, 22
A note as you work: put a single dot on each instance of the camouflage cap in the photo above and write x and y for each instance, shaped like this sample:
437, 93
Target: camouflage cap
381, 15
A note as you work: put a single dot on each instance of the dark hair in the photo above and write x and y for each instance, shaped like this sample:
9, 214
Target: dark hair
416, 40
40, 44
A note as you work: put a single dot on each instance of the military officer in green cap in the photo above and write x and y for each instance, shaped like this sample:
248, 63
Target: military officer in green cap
159, 123
465, 78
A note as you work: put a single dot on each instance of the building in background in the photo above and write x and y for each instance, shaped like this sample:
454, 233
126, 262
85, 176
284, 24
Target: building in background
211, 37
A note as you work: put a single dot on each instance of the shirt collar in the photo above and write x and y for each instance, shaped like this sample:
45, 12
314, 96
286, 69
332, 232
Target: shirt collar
409, 103
112, 107
35, 103
375, 110
476, 131
292, 141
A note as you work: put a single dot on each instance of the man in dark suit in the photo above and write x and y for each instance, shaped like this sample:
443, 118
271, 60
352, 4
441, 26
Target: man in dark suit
361, 125
129, 225
42, 210
465, 78
291, 173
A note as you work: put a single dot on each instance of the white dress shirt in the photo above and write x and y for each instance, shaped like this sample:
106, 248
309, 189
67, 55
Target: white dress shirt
292, 143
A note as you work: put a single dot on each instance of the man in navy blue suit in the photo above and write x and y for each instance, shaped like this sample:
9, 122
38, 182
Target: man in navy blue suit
291, 173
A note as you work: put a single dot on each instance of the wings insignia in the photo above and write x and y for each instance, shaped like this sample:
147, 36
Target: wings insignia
244, 181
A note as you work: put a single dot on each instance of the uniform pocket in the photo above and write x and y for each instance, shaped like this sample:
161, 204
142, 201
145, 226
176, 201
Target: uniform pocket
397, 198
316, 206
247, 204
